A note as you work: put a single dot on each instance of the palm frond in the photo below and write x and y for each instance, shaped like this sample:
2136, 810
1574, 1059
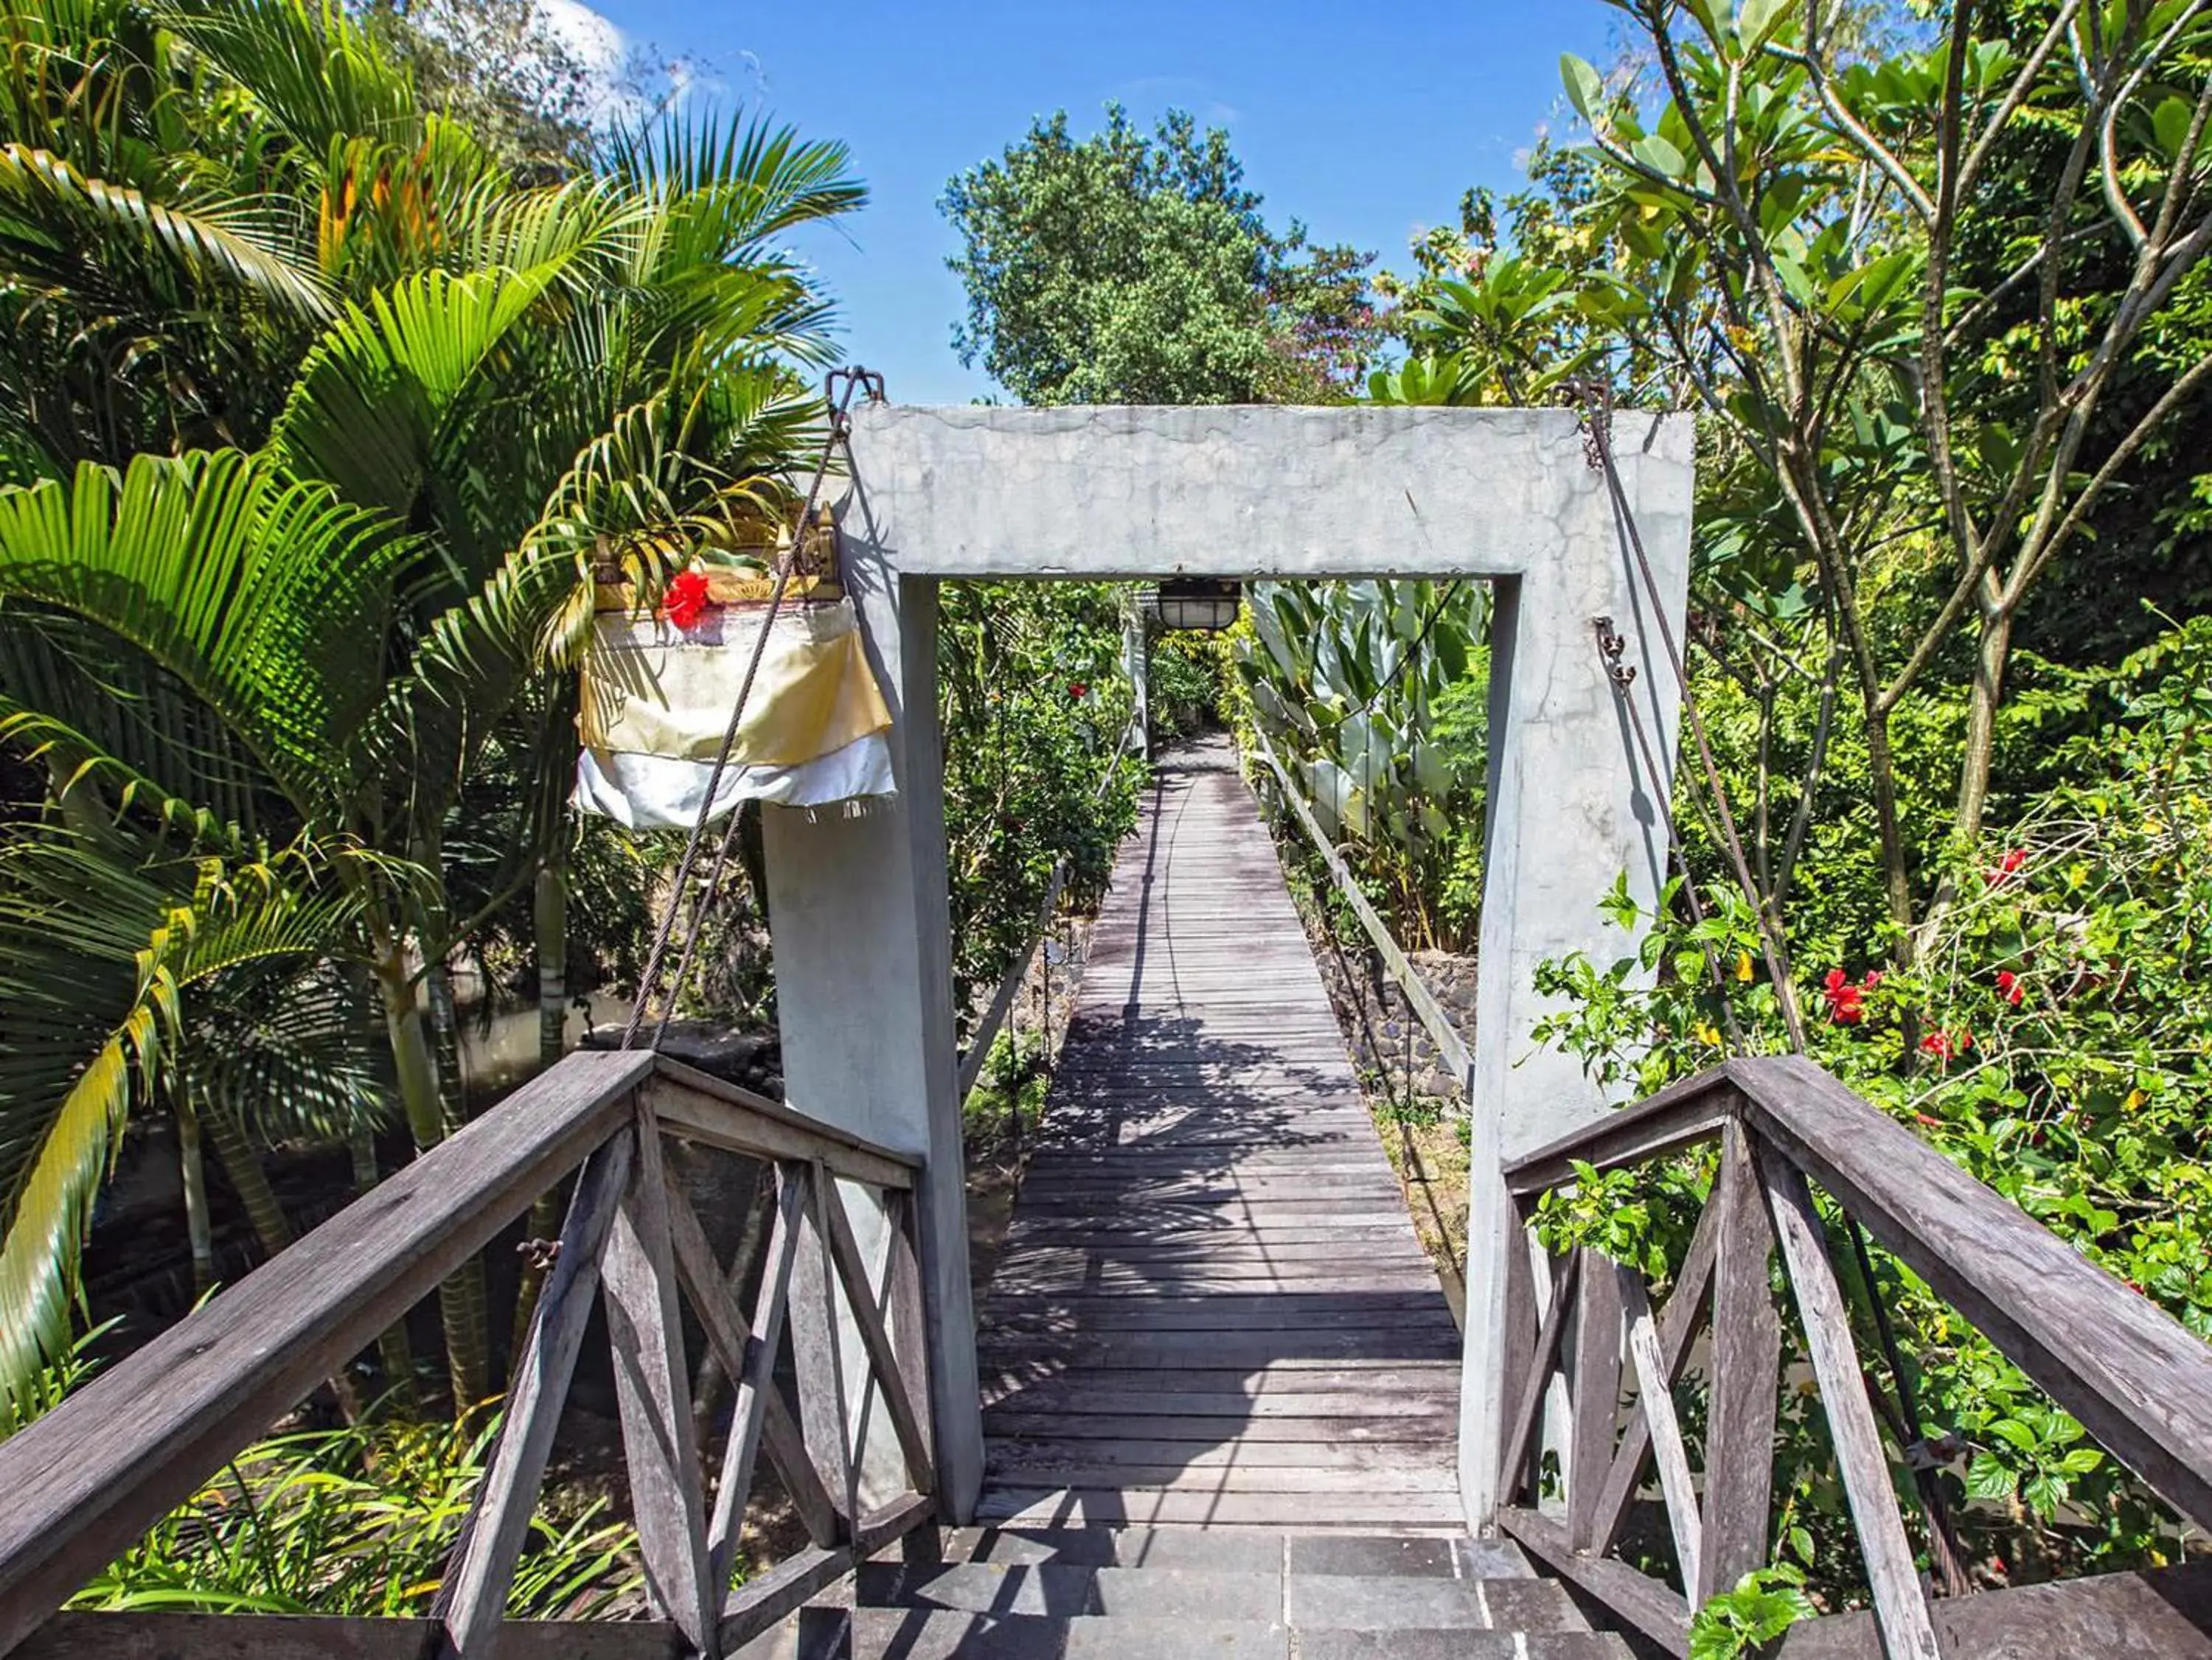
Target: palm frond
92, 240
315, 72
98, 938
733, 180
386, 391
266, 596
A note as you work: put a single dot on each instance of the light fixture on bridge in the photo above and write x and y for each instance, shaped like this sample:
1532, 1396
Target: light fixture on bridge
1207, 603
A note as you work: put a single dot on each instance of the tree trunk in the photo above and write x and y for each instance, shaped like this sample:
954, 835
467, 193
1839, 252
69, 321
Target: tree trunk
393, 1355
549, 915
1896, 868
460, 1300
191, 1167
272, 1228
248, 1179
446, 1040
1988, 693
549, 912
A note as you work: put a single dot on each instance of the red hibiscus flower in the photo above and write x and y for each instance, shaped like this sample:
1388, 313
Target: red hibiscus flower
686, 598
2011, 987
1077, 691
1946, 1046
1846, 1001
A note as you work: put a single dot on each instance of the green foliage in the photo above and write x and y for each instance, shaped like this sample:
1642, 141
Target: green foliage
1374, 693
2050, 1038
1738, 1624
319, 416
1186, 682
360, 1522
1128, 268
1034, 707
1008, 1101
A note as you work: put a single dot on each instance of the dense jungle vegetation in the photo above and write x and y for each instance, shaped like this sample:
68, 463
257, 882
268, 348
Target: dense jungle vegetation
336, 354
344, 347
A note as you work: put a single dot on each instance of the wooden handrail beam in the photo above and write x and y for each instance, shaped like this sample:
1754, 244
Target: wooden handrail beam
86, 1480
2139, 1380
1681, 1115
697, 1106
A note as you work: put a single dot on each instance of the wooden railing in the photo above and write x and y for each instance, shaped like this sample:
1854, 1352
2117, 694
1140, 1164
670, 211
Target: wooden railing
2136, 1378
1451, 1048
85, 1483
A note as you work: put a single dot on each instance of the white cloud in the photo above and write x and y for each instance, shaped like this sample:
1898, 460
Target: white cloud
597, 44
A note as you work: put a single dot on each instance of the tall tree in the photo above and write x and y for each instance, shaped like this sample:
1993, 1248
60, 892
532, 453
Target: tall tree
1133, 268
1937, 282
416, 398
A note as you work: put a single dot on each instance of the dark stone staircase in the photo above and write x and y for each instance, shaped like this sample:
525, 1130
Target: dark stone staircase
1190, 1594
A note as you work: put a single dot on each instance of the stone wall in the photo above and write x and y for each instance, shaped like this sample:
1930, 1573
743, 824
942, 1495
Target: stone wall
1386, 1039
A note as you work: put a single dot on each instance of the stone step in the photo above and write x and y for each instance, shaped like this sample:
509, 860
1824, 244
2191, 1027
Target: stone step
911, 1634
1137, 1593
1067, 1592
1258, 1550
1306, 1601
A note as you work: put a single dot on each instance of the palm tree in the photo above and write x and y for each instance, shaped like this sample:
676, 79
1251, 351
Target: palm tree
454, 394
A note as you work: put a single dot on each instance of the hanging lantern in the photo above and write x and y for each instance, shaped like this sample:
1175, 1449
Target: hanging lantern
1205, 603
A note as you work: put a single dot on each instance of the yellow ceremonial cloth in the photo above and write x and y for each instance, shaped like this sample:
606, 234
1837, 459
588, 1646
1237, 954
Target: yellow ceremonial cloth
648, 688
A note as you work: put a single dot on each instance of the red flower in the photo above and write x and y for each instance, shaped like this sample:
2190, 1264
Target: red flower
2011, 987
1946, 1047
2013, 861
1077, 691
1846, 1001
685, 599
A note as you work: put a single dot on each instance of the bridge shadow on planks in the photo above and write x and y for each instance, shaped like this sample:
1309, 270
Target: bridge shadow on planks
1212, 1307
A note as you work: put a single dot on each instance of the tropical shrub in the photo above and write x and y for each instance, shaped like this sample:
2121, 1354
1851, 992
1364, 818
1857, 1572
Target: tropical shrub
319, 432
1034, 709
363, 1521
1373, 694
2051, 1037
1184, 684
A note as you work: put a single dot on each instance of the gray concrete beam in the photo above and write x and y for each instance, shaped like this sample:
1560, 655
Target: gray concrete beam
1238, 490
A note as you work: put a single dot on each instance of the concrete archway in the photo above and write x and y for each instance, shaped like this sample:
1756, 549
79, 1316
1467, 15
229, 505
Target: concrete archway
858, 905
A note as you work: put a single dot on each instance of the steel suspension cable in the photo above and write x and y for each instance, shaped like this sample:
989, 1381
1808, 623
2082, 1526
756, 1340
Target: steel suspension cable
855, 380
1596, 397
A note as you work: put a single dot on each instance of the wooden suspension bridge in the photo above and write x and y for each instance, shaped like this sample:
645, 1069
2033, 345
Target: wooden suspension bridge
1218, 1375
1214, 1402
1211, 1306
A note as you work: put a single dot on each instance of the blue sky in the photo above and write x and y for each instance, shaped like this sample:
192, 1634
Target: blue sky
1365, 121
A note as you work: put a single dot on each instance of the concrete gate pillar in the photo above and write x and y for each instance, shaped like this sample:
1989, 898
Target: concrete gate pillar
858, 906
858, 913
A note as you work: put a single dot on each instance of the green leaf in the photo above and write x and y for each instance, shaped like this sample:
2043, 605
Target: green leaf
1660, 155
2169, 124
1585, 87
1756, 20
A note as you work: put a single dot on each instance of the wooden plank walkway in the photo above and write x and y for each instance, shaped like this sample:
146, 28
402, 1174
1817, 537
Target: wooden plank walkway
1212, 1307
